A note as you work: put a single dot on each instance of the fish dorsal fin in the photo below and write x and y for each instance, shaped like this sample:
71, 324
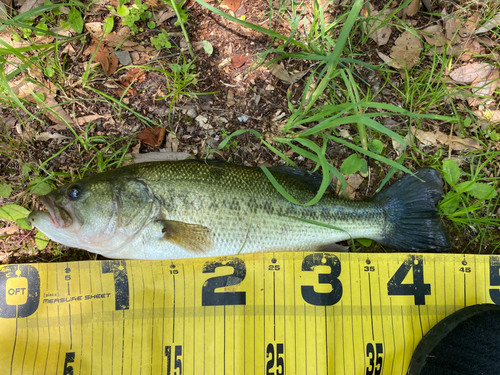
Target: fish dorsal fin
311, 181
191, 237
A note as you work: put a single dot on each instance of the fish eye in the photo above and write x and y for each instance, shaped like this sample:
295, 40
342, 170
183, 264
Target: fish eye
74, 192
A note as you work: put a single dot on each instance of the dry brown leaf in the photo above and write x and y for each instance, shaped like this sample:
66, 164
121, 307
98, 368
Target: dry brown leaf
240, 11
281, 73
11, 229
155, 4
428, 4
112, 39
379, 35
238, 61
434, 35
45, 136
116, 37
482, 88
231, 4
490, 25
437, 138
90, 118
95, 29
61, 117
5, 9
413, 8
469, 26
159, 156
452, 25
487, 42
471, 47
489, 115
164, 15
103, 55
30, 4
406, 51
152, 136
353, 182
133, 75
471, 72
25, 90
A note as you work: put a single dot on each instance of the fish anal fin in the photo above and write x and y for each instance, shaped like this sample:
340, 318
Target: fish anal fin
332, 248
191, 237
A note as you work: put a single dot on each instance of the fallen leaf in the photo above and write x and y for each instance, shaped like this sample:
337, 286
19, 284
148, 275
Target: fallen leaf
112, 39
90, 118
353, 182
133, 75
469, 26
452, 26
240, 11
434, 35
171, 143
230, 98
490, 115
45, 136
56, 113
11, 229
103, 55
116, 38
469, 73
437, 138
405, 53
152, 136
231, 4
225, 62
163, 15
413, 8
280, 72
483, 88
238, 61
378, 34
30, 4
471, 47
490, 25
155, 4
159, 156
428, 4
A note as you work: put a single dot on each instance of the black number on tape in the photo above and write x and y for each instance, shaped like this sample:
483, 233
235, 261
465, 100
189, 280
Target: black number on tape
495, 279
69, 358
119, 270
322, 299
271, 355
211, 298
19, 291
374, 367
177, 359
418, 289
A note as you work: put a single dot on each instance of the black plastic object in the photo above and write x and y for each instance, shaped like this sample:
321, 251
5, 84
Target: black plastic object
465, 342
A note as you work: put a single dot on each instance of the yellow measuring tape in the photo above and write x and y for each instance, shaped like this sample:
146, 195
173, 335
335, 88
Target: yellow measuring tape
270, 313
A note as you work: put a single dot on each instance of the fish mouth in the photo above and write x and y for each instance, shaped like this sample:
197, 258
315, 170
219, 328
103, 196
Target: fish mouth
61, 218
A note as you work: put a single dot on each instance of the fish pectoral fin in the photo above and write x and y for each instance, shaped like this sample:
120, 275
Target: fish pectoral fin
332, 247
191, 237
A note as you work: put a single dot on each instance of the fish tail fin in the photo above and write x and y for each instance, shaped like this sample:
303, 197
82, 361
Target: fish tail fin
413, 220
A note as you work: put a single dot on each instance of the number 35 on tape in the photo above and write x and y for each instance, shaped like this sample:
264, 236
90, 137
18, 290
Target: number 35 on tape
271, 313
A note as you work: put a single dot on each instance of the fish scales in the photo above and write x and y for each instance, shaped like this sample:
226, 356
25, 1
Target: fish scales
187, 209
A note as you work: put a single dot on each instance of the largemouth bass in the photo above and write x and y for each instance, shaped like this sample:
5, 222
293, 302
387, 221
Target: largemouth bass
183, 209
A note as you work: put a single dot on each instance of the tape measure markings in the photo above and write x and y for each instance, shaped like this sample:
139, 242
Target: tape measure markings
259, 313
